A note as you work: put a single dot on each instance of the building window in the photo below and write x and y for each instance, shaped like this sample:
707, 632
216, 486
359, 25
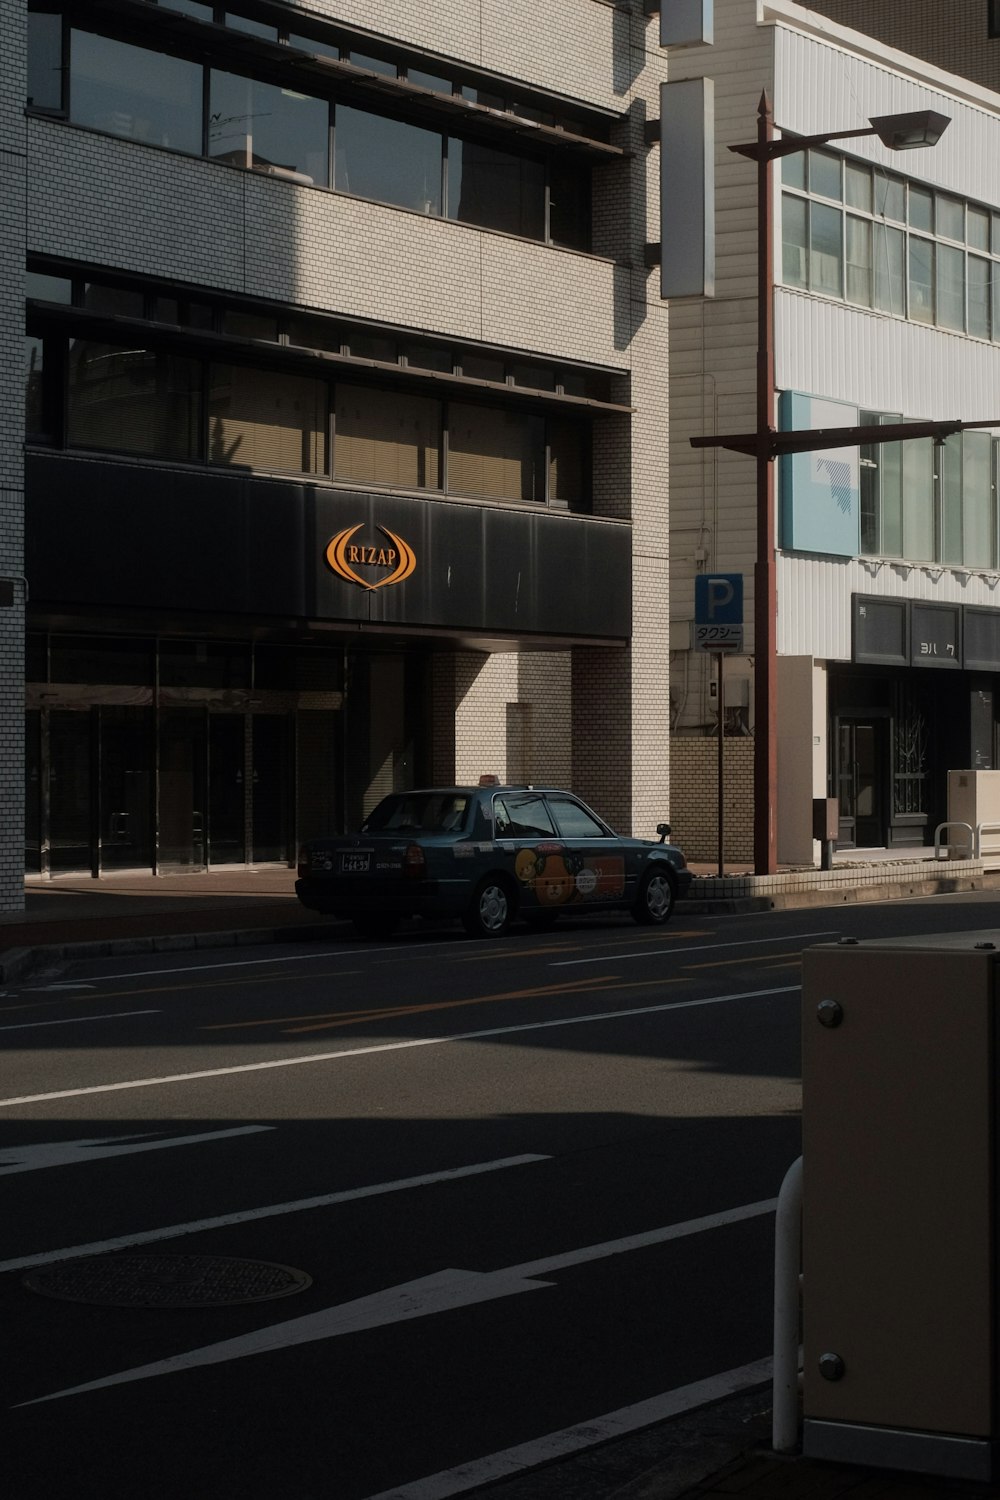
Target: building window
386, 437
130, 91
45, 57
269, 129
389, 160
859, 234
265, 419
497, 453
496, 189
928, 502
133, 401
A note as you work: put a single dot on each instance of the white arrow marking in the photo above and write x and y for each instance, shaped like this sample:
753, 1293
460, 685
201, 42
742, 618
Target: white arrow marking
72, 1153
117, 1015
48, 989
413, 1299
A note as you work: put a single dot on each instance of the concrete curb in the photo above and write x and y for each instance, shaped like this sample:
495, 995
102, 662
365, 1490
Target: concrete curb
16, 963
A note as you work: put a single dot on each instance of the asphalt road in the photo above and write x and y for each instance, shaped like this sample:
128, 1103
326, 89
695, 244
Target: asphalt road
530, 1184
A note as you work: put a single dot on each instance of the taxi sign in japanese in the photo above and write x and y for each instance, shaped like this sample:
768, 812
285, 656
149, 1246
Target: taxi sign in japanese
718, 612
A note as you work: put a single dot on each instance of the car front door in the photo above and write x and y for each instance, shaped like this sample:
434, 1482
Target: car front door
592, 852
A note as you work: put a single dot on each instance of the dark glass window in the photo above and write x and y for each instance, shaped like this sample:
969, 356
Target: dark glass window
429, 80
427, 357
129, 91
262, 419
45, 61
495, 189
196, 8
387, 437
534, 377
483, 96
120, 660
575, 821
271, 129
373, 64
481, 367
134, 401
362, 345
493, 452
249, 325
315, 333
310, 44
35, 424
567, 463
113, 300
388, 160
210, 664
569, 205
255, 28
48, 288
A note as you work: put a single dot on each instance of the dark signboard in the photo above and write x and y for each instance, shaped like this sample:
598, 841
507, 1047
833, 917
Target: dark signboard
981, 631
129, 535
935, 634
880, 631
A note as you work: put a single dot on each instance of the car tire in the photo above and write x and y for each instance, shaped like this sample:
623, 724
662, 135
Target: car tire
374, 924
491, 909
655, 901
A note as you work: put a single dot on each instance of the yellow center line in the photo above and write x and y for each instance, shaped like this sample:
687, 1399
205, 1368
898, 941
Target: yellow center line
763, 958
346, 1017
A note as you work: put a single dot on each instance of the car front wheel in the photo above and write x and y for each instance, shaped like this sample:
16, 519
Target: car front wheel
489, 913
655, 900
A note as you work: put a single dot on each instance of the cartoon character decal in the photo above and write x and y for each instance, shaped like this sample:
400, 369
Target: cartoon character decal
558, 876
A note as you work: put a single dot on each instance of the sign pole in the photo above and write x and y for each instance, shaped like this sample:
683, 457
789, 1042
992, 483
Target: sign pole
722, 716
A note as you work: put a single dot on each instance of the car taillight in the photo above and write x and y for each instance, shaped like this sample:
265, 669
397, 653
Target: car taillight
414, 862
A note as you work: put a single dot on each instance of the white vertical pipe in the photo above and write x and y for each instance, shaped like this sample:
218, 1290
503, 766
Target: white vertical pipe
787, 1267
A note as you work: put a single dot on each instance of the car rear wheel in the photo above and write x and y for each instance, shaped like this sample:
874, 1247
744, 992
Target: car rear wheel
374, 924
655, 900
490, 911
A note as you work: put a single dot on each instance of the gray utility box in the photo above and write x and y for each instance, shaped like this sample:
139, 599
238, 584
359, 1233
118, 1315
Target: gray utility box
899, 1213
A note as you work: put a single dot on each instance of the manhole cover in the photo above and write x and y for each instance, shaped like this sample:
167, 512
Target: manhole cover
167, 1281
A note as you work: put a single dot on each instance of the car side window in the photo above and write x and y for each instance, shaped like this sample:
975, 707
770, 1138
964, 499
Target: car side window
527, 816
575, 821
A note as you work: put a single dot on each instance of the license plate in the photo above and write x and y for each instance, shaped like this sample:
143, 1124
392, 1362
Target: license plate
356, 864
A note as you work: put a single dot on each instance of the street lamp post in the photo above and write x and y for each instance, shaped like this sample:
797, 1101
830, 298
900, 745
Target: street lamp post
900, 133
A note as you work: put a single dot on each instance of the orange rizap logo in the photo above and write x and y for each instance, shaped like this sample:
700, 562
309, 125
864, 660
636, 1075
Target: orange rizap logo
344, 555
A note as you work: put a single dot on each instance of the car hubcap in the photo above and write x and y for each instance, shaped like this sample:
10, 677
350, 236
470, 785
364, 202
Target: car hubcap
658, 898
493, 908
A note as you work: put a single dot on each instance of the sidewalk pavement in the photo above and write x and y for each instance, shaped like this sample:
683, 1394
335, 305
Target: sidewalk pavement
718, 1453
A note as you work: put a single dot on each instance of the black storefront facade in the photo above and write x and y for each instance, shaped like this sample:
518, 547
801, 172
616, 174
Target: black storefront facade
920, 697
220, 664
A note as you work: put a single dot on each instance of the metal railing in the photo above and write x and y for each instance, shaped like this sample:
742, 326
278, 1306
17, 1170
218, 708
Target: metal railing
973, 849
787, 1296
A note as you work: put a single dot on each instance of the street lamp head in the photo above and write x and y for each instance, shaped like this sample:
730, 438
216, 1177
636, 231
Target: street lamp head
908, 132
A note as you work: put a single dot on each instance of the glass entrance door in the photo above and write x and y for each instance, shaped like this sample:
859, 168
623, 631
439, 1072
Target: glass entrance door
226, 790
70, 791
126, 802
860, 780
182, 787
271, 788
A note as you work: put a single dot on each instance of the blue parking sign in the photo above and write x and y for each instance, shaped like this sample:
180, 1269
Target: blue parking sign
718, 599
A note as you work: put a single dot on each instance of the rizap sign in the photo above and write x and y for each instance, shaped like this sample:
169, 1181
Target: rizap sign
379, 564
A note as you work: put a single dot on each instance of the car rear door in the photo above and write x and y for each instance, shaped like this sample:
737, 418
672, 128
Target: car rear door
524, 828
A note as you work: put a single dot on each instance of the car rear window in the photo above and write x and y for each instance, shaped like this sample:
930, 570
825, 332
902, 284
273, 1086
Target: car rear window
418, 812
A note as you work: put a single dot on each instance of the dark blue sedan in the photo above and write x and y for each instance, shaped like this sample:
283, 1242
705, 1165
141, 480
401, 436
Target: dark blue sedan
487, 854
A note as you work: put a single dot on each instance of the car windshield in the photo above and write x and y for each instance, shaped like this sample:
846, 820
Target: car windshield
418, 812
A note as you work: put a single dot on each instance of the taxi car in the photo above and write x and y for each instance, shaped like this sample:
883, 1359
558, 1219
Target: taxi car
487, 854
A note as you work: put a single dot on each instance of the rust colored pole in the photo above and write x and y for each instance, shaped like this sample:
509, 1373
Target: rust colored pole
765, 780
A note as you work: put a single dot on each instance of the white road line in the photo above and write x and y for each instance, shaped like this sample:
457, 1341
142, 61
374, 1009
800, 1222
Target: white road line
426, 1041
568, 963
514, 1461
270, 1211
236, 963
442, 1291
117, 1015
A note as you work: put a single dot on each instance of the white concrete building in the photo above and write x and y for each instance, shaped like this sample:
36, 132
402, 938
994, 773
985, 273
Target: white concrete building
887, 307
335, 402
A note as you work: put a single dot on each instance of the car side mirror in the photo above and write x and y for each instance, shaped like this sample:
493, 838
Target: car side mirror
663, 829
